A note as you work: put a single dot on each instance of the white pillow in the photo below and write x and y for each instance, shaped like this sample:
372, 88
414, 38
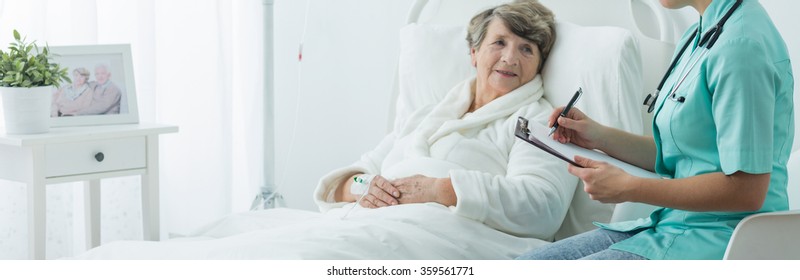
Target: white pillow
604, 61
433, 59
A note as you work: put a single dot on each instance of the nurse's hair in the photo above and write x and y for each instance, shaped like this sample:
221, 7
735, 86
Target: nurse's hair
528, 19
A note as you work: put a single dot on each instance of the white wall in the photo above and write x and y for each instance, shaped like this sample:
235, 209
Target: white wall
349, 57
347, 73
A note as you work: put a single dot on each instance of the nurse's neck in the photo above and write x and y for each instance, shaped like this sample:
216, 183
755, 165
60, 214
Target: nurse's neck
700, 5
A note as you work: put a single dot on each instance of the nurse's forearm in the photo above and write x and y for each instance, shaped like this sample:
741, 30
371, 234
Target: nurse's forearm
634, 149
708, 192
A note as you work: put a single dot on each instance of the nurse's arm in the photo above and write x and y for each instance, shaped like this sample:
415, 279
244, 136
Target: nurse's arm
581, 130
739, 191
631, 148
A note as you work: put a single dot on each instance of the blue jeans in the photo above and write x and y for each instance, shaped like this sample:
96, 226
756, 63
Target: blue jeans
592, 245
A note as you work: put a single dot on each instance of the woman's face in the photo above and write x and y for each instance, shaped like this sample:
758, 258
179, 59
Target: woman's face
505, 61
78, 79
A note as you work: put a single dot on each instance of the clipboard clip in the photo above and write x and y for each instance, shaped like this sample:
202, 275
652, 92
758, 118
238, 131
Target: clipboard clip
522, 126
522, 131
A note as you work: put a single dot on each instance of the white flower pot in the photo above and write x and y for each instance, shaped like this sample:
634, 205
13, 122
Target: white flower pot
27, 110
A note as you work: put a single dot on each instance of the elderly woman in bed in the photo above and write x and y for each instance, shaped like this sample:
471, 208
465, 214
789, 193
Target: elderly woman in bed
462, 152
450, 182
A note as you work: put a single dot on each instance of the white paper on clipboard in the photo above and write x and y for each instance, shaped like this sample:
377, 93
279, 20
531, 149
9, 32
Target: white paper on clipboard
571, 150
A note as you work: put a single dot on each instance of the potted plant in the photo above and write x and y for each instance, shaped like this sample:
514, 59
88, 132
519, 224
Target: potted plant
27, 78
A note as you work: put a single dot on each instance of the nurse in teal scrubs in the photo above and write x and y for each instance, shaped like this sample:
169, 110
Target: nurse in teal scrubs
722, 132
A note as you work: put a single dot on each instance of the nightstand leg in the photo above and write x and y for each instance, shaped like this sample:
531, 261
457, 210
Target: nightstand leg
92, 213
150, 196
36, 229
36, 207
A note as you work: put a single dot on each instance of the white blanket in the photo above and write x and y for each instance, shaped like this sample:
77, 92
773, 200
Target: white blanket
416, 231
511, 196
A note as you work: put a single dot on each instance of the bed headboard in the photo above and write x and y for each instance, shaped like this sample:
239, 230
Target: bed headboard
602, 56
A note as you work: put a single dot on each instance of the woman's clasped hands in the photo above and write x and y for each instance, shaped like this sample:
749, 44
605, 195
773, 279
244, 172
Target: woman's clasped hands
413, 189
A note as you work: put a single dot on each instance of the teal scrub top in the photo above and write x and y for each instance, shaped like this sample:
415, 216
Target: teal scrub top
737, 115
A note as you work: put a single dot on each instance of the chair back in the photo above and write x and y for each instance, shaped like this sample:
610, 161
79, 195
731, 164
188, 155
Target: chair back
771, 236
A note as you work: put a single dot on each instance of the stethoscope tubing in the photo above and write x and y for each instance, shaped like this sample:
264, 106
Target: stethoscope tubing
706, 42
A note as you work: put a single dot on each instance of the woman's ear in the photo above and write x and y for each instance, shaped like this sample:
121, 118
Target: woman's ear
472, 52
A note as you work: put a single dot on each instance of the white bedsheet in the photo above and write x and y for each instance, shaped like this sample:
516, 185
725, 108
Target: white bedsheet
414, 231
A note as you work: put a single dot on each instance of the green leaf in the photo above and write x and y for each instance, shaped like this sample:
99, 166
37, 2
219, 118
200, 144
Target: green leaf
24, 64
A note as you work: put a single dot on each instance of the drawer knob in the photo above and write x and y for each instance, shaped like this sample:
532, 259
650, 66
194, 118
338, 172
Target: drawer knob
99, 157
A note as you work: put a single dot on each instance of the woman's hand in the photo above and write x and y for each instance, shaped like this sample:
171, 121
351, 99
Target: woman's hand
576, 128
381, 193
421, 189
602, 181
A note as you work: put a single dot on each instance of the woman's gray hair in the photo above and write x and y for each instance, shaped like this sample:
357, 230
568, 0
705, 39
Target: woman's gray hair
83, 72
528, 19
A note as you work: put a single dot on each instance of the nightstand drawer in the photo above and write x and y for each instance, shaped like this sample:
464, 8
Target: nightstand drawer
94, 156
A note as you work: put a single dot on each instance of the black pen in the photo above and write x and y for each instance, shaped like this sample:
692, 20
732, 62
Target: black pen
566, 110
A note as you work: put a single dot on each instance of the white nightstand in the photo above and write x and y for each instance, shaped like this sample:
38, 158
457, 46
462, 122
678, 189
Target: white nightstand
86, 153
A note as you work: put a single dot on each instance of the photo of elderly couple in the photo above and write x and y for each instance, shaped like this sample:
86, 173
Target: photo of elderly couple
89, 93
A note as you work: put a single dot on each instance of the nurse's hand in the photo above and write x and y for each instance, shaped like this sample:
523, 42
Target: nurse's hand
576, 128
602, 181
381, 193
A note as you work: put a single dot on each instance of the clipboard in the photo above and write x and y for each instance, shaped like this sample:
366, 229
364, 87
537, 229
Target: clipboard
536, 135
523, 132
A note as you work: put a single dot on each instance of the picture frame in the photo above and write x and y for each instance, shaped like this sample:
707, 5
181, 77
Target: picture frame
102, 90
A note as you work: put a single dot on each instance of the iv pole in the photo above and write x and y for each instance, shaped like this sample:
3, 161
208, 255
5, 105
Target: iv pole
268, 198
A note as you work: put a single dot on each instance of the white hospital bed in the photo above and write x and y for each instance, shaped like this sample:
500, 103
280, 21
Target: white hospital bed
613, 80
609, 72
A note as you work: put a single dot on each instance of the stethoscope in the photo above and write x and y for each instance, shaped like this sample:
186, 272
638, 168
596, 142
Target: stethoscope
706, 42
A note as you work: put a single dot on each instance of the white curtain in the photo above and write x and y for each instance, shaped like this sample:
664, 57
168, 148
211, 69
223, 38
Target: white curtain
197, 65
